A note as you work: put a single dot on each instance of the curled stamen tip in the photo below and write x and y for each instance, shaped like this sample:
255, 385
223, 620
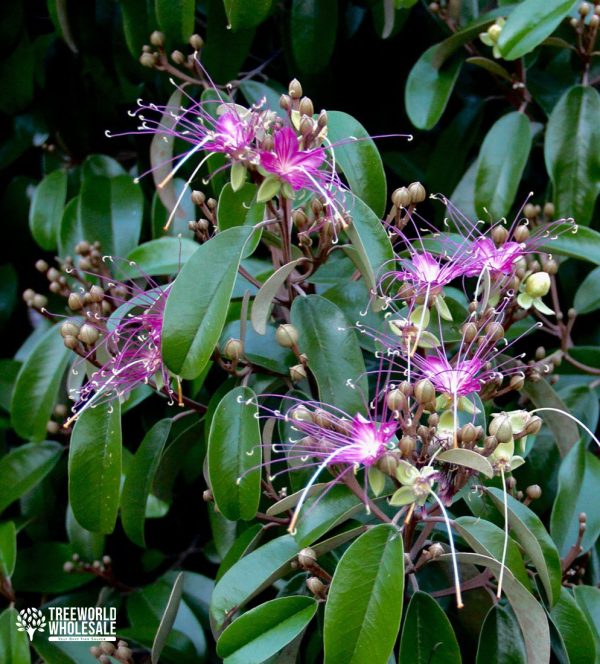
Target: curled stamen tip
409, 137
238, 481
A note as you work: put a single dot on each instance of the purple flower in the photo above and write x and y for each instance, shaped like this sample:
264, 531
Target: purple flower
462, 379
299, 168
131, 337
499, 260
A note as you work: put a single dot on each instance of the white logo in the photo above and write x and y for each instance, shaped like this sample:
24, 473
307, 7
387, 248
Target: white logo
31, 621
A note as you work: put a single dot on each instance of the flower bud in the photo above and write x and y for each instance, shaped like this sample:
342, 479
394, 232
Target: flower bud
468, 433
530, 211
196, 42
68, 567
307, 557
96, 294
41, 265
537, 284
436, 550
54, 287
123, 653
233, 349
295, 89
469, 332
521, 233
39, 301
494, 331
302, 414
157, 39
69, 329
322, 119
95, 651
297, 373
534, 425
407, 446
396, 400
584, 9
417, 192
88, 334
534, 491
401, 197
388, 464
594, 21
501, 427
424, 391
60, 410
70, 342
28, 296
147, 60
316, 586
549, 210
178, 57
494, 32
500, 234
306, 107
52, 427
285, 102
299, 219
198, 197
517, 382
286, 335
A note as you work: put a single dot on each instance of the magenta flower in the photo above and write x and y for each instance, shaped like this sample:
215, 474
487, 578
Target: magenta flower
299, 168
132, 339
499, 260
462, 379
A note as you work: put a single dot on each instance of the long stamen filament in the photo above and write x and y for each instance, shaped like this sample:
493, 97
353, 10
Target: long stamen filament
505, 545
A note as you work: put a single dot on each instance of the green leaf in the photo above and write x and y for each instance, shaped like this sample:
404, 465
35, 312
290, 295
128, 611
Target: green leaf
254, 92
170, 193
363, 610
372, 244
313, 30
588, 600
95, 467
8, 548
333, 353
246, 13
175, 19
110, 211
70, 231
234, 455
587, 296
14, 645
250, 575
468, 459
24, 467
492, 66
533, 537
359, 160
168, 619
529, 612
46, 209
90, 546
138, 22
263, 302
502, 159
197, 305
578, 481
428, 89
265, 630
139, 479
500, 638
37, 386
427, 635
574, 629
487, 539
158, 257
583, 244
40, 569
572, 153
239, 208
529, 24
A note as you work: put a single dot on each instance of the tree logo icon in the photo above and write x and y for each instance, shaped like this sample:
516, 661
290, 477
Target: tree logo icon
31, 621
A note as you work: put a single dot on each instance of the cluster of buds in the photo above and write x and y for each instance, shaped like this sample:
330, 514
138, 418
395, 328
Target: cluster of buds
154, 54
107, 650
588, 21
205, 226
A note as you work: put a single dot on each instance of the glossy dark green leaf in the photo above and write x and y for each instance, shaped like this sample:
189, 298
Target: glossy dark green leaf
168, 619
250, 575
333, 353
14, 644
234, 455
254, 92
587, 296
23, 467
428, 89
578, 481
564, 430
265, 630
246, 542
488, 539
71, 230
502, 159
95, 467
364, 603
37, 386
313, 29
139, 479
529, 612
89, 545
110, 211
574, 629
169, 194
359, 160
198, 302
246, 13
371, 242
588, 600
500, 638
8, 548
175, 19
529, 531
40, 569
529, 24
572, 153
158, 257
468, 459
427, 635
46, 209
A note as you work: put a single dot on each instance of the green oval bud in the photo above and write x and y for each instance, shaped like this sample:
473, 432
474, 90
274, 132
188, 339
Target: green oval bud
537, 284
